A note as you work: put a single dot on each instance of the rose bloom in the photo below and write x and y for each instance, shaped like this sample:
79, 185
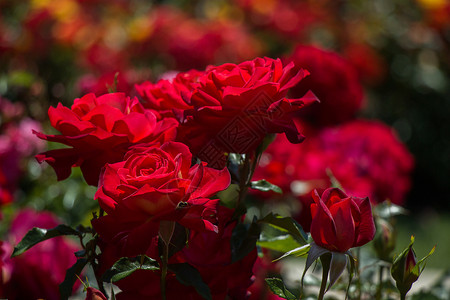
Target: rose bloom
100, 130
37, 273
156, 184
236, 106
169, 97
364, 156
340, 222
333, 80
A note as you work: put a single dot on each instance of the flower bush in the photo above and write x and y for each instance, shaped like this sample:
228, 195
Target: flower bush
200, 149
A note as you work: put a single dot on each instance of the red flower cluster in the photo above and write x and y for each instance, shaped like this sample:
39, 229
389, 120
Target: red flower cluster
364, 156
148, 180
236, 106
100, 130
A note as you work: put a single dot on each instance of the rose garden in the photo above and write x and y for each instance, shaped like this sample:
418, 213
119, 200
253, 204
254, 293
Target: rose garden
224, 150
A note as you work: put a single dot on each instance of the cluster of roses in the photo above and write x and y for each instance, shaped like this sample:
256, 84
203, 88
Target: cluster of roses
158, 163
365, 156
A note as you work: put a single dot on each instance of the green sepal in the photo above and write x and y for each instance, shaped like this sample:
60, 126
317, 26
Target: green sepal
337, 266
300, 251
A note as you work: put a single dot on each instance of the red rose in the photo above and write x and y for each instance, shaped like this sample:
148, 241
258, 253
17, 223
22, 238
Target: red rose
333, 80
236, 106
155, 184
364, 156
100, 130
340, 222
169, 97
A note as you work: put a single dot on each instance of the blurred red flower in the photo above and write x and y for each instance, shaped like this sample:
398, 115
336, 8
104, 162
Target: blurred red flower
333, 80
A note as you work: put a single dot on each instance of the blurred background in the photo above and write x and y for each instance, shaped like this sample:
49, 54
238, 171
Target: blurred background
56, 51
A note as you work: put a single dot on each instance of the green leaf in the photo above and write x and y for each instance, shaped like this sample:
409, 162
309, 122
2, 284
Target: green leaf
277, 287
65, 288
286, 224
128, 265
265, 186
281, 243
243, 240
300, 251
189, 276
37, 235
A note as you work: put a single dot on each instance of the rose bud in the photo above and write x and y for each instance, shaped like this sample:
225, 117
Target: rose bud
340, 222
406, 269
94, 294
